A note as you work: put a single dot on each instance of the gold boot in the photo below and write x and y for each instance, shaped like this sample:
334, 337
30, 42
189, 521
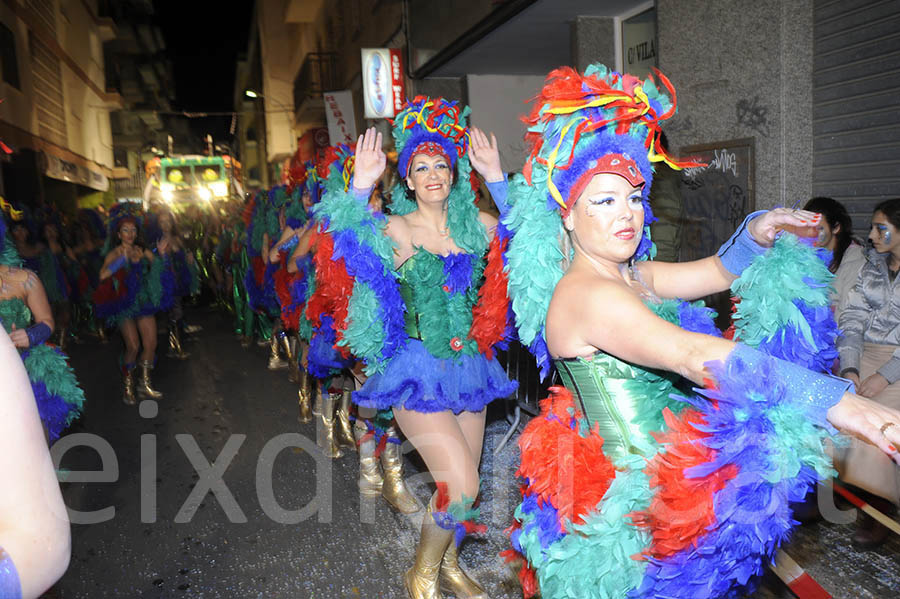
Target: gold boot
325, 431
455, 581
370, 479
303, 398
422, 579
394, 490
145, 387
344, 433
128, 377
317, 406
290, 350
176, 350
275, 361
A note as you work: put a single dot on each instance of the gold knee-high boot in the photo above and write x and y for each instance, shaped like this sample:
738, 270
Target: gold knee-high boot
275, 361
176, 349
394, 489
455, 581
290, 350
325, 431
303, 397
422, 579
370, 479
128, 379
344, 433
317, 406
146, 387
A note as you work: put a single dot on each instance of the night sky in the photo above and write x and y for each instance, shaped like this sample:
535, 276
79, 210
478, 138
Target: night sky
203, 41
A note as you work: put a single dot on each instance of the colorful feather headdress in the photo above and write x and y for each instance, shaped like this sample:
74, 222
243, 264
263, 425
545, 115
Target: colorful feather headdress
435, 125
581, 125
118, 214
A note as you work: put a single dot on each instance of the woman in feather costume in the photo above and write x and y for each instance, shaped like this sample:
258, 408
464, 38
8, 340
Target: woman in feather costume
135, 284
634, 485
26, 315
421, 301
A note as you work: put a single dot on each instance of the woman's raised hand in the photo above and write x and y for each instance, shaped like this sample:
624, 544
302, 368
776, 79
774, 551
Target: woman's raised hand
485, 155
766, 226
869, 421
370, 160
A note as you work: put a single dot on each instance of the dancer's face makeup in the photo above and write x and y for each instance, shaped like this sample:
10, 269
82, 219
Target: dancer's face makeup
607, 220
883, 234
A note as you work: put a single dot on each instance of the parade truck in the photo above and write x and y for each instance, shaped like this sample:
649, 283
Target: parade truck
179, 180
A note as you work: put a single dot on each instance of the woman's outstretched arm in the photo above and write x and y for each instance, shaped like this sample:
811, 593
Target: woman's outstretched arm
34, 526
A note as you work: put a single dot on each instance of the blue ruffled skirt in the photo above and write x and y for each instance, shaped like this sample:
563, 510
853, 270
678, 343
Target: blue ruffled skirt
416, 380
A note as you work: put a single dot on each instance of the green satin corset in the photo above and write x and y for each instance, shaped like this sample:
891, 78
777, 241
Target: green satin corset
624, 400
13, 311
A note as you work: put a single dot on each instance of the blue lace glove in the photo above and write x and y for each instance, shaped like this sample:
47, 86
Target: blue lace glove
499, 191
37, 334
813, 391
739, 251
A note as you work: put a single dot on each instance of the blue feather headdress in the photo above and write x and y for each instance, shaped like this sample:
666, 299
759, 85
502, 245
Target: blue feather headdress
118, 214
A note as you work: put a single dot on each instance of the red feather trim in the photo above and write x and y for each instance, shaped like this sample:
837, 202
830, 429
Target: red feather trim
442, 501
334, 285
258, 266
490, 313
562, 467
290, 312
106, 291
682, 508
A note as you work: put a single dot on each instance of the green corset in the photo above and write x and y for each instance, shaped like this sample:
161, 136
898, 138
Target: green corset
437, 313
14, 312
623, 400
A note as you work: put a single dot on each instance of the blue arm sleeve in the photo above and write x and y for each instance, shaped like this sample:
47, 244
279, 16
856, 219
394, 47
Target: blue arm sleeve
813, 391
361, 194
117, 264
37, 334
739, 251
499, 193
10, 586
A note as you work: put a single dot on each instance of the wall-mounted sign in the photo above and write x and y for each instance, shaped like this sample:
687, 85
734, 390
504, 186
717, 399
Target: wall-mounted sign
383, 86
65, 170
639, 43
340, 117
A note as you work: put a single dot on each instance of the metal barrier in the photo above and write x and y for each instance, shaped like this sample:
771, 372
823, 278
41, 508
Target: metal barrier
520, 366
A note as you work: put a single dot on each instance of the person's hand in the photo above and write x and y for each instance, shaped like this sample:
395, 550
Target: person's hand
370, 160
872, 386
854, 378
485, 155
766, 226
867, 420
19, 338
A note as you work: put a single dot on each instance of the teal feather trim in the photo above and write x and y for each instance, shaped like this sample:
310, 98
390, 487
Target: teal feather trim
9, 256
771, 285
48, 366
534, 258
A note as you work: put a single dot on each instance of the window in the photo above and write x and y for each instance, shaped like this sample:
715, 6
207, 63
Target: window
9, 63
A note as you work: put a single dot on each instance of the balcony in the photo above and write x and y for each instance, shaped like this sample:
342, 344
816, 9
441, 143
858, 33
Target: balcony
317, 74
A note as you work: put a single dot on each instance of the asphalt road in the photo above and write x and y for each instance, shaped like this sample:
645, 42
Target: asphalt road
217, 491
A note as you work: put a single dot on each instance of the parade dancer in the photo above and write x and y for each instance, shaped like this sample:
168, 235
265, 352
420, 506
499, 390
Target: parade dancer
186, 276
27, 317
634, 486
136, 283
425, 311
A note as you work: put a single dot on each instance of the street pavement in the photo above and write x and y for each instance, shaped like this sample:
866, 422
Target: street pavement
217, 491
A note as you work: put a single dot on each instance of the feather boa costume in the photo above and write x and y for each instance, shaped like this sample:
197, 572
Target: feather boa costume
57, 394
462, 314
136, 289
700, 502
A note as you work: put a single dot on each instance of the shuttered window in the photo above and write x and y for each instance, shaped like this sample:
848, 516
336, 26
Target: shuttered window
856, 103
